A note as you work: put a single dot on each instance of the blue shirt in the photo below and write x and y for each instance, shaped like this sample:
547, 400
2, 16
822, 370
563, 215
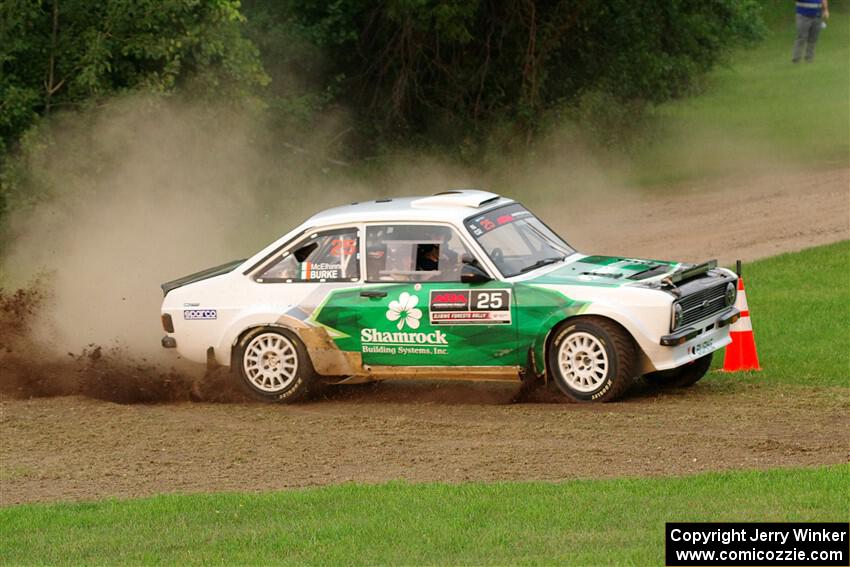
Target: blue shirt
809, 8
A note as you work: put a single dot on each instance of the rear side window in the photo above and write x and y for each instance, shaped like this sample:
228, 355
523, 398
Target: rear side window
331, 256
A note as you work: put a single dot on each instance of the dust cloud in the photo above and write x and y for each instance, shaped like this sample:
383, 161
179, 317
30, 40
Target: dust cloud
144, 190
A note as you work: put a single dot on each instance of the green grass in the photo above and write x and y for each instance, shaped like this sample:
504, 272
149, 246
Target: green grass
800, 306
578, 522
800, 310
760, 112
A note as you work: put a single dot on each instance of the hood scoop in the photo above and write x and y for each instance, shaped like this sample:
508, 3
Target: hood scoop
650, 272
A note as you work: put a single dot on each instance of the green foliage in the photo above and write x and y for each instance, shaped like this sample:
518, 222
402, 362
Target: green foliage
298, 89
610, 122
67, 54
440, 69
432, 72
64, 53
470, 75
580, 522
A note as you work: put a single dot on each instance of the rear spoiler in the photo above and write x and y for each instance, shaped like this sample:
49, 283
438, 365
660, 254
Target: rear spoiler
202, 275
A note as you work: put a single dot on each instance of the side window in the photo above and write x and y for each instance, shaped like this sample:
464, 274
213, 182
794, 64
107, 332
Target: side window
330, 256
414, 253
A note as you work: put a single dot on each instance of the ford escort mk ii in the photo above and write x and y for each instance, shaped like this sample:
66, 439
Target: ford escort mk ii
458, 285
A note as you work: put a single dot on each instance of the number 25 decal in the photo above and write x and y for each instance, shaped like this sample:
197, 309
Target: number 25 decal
343, 247
487, 300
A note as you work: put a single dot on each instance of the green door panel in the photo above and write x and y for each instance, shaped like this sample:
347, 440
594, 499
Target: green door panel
426, 324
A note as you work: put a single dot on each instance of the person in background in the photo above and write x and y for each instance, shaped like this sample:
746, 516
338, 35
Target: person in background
810, 16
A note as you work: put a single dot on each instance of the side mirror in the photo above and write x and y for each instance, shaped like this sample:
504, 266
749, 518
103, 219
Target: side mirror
472, 274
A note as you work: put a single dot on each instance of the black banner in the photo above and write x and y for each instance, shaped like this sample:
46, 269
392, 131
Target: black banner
693, 544
476, 307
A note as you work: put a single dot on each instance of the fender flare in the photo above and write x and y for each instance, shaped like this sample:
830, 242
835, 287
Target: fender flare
256, 316
326, 358
636, 330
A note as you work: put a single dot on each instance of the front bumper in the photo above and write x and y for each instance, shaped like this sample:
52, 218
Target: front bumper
712, 338
693, 331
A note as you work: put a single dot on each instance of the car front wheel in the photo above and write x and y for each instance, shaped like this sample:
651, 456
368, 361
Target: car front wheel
273, 366
592, 359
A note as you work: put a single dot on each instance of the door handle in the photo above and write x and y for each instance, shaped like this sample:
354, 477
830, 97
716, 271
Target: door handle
373, 293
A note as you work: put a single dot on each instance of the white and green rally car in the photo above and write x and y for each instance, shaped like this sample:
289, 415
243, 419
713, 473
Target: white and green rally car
459, 285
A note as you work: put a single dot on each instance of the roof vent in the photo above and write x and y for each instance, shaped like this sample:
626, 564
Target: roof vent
471, 198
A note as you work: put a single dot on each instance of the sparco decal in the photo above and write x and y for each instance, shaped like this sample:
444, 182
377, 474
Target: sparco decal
193, 314
477, 307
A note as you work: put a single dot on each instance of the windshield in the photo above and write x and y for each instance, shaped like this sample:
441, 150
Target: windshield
516, 240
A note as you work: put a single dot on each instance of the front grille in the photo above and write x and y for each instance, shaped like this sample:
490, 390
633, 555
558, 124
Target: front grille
703, 303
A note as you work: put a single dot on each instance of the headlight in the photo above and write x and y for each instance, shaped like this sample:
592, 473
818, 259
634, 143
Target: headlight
731, 294
677, 315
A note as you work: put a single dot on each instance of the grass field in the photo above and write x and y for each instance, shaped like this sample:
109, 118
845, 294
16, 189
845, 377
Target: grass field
579, 522
759, 113
799, 309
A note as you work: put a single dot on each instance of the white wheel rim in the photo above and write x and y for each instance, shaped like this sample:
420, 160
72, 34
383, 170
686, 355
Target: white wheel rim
583, 362
270, 362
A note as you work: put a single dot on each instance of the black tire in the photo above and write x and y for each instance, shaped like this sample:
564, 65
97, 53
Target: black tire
683, 376
608, 381
261, 381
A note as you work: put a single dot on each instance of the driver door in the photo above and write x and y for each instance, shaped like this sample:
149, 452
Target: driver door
415, 311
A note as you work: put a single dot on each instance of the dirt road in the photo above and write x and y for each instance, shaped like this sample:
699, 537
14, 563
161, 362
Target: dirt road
72, 448
739, 218
71, 441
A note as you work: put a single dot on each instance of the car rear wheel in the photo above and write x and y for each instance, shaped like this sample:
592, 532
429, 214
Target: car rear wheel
683, 376
592, 359
273, 366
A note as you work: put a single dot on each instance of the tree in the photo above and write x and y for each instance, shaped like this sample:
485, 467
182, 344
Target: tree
65, 53
442, 69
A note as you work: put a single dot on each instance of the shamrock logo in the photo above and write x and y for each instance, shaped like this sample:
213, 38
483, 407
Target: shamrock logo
404, 311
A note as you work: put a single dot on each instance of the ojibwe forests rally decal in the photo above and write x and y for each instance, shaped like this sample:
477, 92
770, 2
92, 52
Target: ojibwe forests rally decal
470, 307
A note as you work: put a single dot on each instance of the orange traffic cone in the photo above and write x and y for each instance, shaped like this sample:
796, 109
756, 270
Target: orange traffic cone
741, 352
